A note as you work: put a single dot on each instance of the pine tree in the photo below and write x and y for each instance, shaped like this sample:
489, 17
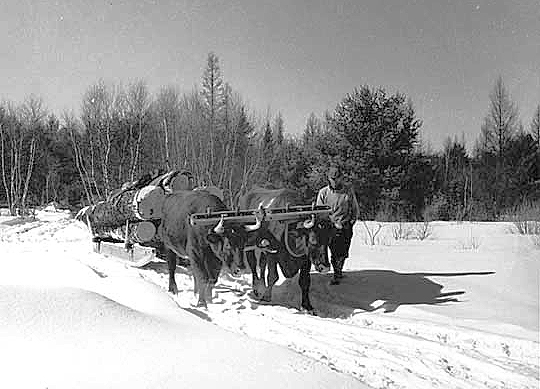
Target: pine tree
213, 92
267, 152
379, 133
312, 130
279, 128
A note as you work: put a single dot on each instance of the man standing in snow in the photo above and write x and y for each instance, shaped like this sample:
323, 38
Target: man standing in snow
345, 211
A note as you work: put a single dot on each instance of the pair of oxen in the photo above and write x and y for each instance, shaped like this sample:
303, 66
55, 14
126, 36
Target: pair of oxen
267, 244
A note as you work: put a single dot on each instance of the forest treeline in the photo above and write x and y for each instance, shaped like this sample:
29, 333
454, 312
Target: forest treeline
124, 131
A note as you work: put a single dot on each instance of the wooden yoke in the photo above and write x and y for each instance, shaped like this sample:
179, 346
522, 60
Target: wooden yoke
287, 213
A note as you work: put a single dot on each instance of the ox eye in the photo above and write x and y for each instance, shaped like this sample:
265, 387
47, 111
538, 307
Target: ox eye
213, 238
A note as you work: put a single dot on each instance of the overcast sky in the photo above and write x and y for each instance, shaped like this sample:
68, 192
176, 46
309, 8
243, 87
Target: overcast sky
296, 57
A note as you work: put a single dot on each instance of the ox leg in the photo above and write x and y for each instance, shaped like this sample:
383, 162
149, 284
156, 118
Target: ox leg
304, 280
273, 276
171, 264
204, 279
258, 284
204, 293
199, 288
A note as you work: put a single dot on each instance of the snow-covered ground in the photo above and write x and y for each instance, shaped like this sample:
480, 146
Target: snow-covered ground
459, 309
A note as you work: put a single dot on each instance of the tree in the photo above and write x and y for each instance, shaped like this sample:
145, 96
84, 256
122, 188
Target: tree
501, 122
97, 118
373, 136
312, 130
138, 117
81, 155
523, 170
453, 180
267, 148
279, 129
535, 127
167, 116
500, 125
33, 115
213, 92
20, 128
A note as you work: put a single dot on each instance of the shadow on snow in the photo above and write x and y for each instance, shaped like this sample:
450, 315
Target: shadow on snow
360, 290
368, 290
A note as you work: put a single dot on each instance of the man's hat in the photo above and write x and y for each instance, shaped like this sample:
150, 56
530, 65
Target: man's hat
334, 172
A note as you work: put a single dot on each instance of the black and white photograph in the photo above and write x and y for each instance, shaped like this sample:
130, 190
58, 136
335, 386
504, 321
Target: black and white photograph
269, 194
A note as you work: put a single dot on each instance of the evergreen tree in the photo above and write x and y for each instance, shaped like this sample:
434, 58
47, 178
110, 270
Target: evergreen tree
379, 133
267, 149
213, 92
279, 128
523, 170
312, 130
453, 180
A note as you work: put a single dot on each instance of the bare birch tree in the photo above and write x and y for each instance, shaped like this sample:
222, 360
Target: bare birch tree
76, 136
535, 127
139, 102
19, 128
97, 115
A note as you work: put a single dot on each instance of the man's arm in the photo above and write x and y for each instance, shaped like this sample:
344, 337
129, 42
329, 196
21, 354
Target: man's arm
355, 206
321, 197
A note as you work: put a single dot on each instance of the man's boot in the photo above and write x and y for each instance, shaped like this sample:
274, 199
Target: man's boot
337, 265
341, 263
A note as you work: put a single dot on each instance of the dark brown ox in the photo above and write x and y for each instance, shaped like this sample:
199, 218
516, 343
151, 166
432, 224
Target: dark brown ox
292, 245
209, 248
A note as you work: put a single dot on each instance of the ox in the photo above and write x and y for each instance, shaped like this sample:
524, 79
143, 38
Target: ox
208, 248
311, 237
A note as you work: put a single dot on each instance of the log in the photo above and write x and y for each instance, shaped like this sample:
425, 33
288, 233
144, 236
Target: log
135, 207
143, 232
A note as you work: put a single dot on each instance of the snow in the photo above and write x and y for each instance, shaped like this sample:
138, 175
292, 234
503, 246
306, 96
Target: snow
459, 309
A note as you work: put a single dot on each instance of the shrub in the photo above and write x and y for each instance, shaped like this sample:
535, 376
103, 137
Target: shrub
526, 218
401, 230
372, 232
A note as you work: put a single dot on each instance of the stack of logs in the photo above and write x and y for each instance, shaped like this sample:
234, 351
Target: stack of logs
133, 212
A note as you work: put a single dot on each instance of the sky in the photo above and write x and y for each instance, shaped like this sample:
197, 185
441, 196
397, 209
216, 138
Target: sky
293, 57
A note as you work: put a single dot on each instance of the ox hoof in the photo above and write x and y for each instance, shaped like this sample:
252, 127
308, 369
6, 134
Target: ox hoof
322, 269
335, 281
173, 290
308, 311
266, 298
199, 304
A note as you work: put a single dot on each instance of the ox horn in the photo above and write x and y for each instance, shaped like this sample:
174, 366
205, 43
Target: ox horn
219, 229
258, 220
309, 223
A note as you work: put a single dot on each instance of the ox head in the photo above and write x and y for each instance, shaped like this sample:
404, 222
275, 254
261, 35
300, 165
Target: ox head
318, 232
312, 237
227, 242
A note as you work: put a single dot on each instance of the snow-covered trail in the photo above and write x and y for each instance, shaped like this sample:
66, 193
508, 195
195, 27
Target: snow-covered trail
378, 349
377, 342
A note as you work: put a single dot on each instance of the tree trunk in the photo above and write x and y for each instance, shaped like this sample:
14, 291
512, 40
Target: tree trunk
4, 177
